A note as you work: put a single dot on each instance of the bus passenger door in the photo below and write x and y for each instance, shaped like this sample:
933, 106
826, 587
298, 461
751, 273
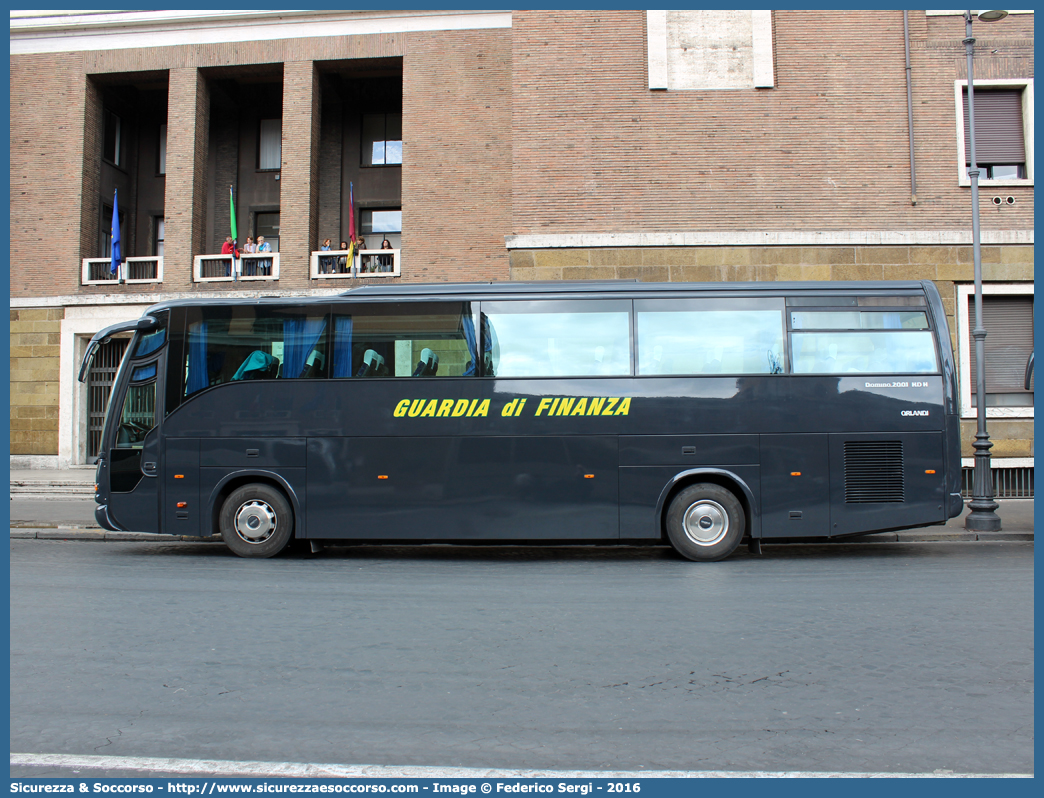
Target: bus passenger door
134, 493
795, 485
134, 455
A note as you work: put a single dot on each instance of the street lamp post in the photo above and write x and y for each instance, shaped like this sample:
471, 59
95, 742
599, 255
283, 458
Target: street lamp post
982, 517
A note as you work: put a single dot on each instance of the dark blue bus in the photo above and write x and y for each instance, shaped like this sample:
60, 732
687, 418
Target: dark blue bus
700, 414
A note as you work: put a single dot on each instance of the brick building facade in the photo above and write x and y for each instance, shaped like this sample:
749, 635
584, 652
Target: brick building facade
680, 145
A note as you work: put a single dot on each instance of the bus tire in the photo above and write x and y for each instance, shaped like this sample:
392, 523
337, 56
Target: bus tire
256, 521
705, 522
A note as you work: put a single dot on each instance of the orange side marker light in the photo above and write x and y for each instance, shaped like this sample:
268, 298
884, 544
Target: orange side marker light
930, 471
382, 476
588, 476
182, 504
179, 476
795, 473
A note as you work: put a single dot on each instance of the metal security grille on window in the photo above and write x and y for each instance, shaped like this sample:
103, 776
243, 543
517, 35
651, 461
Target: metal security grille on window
873, 472
99, 386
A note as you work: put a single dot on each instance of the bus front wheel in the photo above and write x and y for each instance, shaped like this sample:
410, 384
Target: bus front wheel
256, 521
705, 522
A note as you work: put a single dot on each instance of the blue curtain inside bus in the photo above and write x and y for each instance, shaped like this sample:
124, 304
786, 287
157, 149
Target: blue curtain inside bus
197, 366
342, 354
150, 343
144, 373
299, 339
469, 335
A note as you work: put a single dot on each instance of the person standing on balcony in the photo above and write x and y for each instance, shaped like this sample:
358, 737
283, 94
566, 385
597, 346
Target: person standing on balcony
228, 249
250, 247
386, 261
360, 245
326, 265
265, 263
342, 261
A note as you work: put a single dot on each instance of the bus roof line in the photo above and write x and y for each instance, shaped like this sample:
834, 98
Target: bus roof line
573, 289
617, 286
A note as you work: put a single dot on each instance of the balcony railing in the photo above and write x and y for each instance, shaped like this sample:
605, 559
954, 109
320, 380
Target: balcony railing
366, 263
224, 268
144, 269
253, 266
97, 271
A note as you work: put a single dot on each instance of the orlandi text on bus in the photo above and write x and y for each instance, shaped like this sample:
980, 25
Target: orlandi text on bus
703, 415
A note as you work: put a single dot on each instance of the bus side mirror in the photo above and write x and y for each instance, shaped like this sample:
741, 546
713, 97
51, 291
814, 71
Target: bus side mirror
88, 358
146, 323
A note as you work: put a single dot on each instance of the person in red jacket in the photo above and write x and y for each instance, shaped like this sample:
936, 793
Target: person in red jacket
229, 248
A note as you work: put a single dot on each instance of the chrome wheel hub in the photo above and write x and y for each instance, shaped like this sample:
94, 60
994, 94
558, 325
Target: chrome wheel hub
255, 521
705, 522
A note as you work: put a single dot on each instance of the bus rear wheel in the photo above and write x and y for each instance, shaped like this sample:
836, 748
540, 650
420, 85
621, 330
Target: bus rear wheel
256, 521
705, 522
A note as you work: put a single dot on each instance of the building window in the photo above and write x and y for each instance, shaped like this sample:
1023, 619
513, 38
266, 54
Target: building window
162, 168
158, 222
1003, 131
270, 144
1007, 316
267, 225
380, 224
382, 139
113, 139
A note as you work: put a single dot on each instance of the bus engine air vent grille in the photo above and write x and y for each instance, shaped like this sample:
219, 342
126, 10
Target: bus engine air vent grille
873, 471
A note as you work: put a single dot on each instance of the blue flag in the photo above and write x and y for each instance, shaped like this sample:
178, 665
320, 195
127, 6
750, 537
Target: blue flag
117, 256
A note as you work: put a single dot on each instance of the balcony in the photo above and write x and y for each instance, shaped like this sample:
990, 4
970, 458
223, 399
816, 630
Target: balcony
261, 266
223, 268
97, 271
333, 264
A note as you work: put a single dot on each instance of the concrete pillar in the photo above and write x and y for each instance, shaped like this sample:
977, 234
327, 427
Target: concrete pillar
89, 200
299, 176
185, 193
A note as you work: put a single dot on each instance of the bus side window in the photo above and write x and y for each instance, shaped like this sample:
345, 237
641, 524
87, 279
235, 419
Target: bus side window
405, 339
862, 342
557, 338
245, 342
883, 352
139, 408
699, 336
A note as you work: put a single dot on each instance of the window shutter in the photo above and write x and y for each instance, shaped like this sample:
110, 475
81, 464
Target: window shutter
1009, 341
998, 127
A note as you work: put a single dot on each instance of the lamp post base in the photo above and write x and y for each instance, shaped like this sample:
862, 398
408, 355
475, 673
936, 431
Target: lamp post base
983, 520
982, 517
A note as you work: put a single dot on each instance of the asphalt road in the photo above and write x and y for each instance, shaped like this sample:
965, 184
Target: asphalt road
78, 512
900, 658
